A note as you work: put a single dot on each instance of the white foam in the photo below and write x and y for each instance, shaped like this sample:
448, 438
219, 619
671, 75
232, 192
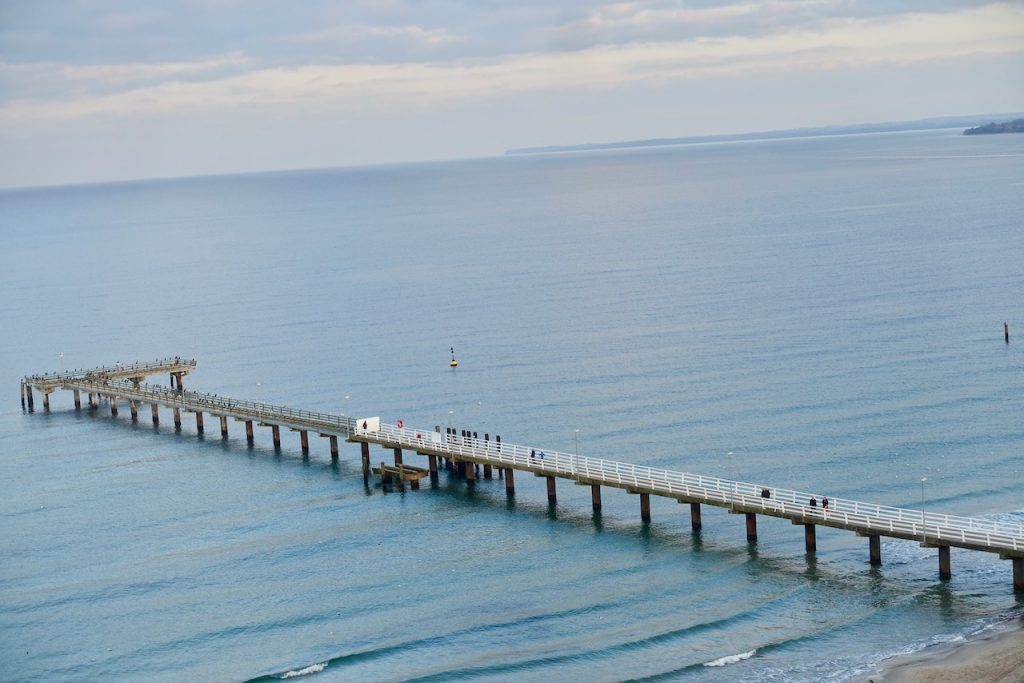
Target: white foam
731, 659
311, 669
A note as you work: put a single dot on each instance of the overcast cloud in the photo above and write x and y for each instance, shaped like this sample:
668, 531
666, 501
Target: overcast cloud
111, 89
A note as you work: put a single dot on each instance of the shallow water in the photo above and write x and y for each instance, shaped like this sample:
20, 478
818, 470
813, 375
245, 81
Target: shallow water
820, 314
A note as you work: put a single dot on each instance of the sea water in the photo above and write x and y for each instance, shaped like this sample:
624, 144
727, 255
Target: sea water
818, 314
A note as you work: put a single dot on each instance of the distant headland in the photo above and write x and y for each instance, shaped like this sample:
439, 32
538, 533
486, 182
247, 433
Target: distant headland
889, 127
1015, 126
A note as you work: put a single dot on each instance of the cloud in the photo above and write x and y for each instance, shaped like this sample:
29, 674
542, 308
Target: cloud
834, 43
362, 32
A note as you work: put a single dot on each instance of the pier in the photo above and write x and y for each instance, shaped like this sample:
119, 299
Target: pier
465, 452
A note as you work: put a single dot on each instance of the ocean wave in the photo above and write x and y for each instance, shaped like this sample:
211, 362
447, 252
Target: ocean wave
311, 669
731, 659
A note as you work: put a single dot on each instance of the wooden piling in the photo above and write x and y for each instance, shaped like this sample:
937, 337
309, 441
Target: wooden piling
432, 465
113, 406
199, 422
46, 401
275, 432
695, 521
645, 507
751, 526
304, 441
334, 448
487, 472
470, 474
78, 400
510, 482
177, 417
945, 572
552, 498
398, 456
156, 413
249, 435
224, 426
1018, 573
875, 549
365, 450
1006, 333
595, 497
28, 395
810, 538
134, 407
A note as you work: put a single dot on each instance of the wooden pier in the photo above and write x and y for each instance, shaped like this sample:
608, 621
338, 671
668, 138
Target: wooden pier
465, 451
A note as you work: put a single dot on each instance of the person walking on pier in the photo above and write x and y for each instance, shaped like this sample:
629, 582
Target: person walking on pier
824, 503
813, 502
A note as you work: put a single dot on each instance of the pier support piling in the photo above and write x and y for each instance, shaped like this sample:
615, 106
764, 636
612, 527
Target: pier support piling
364, 448
113, 406
595, 497
155, 411
552, 498
134, 407
304, 441
398, 456
751, 526
224, 426
334, 448
177, 417
875, 549
695, 522
487, 472
945, 572
275, 433
645, 507
199, 422
94, 400
78, 400
510, 482
432, 465
470, 474
46, 401
249, 436
28, 395
810, 538
1018, 573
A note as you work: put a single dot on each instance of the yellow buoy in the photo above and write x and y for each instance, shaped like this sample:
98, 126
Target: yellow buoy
454, 363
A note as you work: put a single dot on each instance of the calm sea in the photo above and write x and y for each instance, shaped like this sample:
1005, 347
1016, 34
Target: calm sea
819, 314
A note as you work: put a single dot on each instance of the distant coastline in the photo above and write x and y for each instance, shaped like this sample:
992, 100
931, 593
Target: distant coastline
888, 127
1015, 126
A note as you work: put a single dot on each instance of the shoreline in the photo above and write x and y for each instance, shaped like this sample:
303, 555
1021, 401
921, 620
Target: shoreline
995, 655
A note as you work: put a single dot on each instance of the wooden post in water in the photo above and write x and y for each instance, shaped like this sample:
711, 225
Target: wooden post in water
249, 436
224, 426
695, 522
177, 417
334, 448
134, 407
78, 400
199, 421
510, 482
304, 441
875, 549
398, 456
365, 450
595, 497
944, 566
751, 526
432, 466
28, 394
275, 432
470, 474
113, 405
156, 413
552, 498
1018, 573
810, 538
1006, 333
645, 507
46, 401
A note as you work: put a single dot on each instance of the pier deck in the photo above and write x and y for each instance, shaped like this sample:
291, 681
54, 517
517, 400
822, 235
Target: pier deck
930, 529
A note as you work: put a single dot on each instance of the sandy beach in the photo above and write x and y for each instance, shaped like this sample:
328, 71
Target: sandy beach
994, 657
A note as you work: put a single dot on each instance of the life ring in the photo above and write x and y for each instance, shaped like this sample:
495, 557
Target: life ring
399, 424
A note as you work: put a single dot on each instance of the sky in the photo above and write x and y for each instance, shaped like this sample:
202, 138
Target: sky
98, 90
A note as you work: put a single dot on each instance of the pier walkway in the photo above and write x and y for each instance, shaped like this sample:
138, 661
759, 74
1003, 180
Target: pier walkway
466, 453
